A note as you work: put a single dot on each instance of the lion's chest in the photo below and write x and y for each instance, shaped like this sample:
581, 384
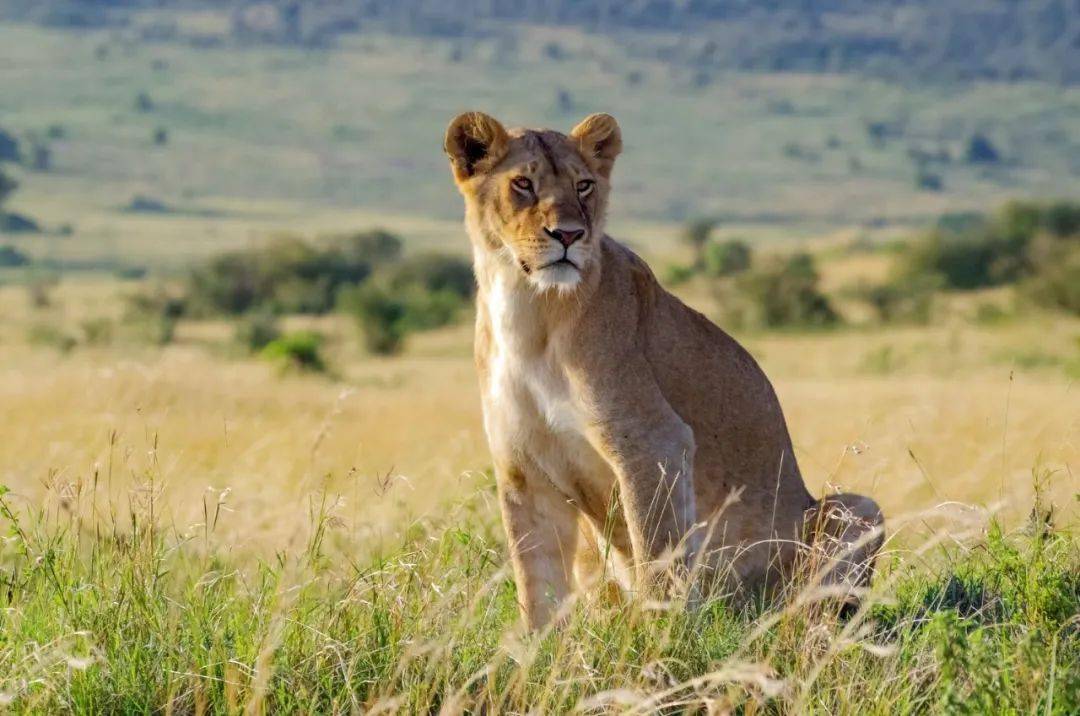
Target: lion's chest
525, 381
529, 404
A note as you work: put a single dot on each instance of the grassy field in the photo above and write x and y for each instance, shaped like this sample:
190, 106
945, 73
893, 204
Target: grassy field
191, 529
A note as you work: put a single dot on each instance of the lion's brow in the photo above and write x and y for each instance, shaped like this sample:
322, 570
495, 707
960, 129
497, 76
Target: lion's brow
546, 149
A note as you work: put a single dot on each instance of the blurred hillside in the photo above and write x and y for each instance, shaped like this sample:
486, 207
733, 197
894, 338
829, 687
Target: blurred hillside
910, 39
151, 133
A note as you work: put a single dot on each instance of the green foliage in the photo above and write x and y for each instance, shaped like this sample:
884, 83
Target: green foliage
289, 274
1057, 283
1006, 248
9, 147
697, 235
154, 313
97, 331
980, 150
381, 316
783, 292
133, 617
727, 258
927, 180
256, 330
301, 351
910, 300
7, 187
143, 103
420, 293
677, 274
436, 273
50, 335
11, 257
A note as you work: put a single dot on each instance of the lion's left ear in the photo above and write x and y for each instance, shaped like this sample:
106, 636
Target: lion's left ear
600, 141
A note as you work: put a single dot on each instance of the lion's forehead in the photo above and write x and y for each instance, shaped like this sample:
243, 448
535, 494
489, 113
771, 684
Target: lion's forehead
545, 151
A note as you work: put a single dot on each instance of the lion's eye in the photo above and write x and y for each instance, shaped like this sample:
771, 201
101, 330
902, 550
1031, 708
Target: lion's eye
522, 184
585, 187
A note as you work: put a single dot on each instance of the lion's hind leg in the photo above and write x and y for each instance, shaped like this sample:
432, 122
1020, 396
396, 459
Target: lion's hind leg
844, 532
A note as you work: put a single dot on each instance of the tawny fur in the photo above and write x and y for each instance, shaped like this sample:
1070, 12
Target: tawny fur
608, 400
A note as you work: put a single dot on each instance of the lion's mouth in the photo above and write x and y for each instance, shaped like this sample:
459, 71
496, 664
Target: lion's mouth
564, 261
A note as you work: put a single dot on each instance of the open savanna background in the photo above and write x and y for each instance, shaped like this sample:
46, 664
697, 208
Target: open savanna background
241, 453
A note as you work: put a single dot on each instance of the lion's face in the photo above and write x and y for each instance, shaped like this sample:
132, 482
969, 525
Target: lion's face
538, 195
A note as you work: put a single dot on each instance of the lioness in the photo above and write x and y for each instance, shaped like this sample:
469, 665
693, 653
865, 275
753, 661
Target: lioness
606, 397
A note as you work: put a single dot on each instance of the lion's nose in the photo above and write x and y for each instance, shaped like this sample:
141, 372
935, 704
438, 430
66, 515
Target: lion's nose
566, 237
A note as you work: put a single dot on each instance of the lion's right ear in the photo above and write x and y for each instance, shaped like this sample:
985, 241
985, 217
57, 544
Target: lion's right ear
475, 143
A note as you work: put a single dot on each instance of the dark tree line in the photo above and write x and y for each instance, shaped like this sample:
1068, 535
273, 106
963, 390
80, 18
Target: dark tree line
954, 39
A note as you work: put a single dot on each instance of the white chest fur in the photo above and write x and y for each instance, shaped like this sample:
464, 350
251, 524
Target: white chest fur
529, 406
525, 376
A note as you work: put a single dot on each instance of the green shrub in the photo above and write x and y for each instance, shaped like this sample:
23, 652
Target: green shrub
910, 300
437, 273
783, 293
154, 314
1062, 219
1057, 283
1004, 249
97, 331
297, 351
420, 293
380, 315
289, 274
7, 186
11, 257
51, 336
926, 180
980, 150
257, 330
727, 258
968, 260
696, 235
676, 274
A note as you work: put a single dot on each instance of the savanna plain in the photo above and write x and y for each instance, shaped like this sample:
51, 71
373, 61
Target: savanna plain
201, 520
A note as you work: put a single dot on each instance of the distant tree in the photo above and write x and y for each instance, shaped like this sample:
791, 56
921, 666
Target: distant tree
143, 103
12, 257
435, 272
926, 180
696, 235
554, 51
980, 150
41, 157
727, 258
785, 292
1062, 218
257, 330
7, 187
381, 316
878, 133
9, 147
565, 101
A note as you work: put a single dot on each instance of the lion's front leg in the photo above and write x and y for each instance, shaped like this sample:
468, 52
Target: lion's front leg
653, 459
542, 534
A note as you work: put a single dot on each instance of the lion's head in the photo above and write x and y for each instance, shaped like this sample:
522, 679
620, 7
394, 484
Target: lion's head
537, 197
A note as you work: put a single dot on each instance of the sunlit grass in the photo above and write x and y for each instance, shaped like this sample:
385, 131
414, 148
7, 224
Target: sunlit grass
137, 615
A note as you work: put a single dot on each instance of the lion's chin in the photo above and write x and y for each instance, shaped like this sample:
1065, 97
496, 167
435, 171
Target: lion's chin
562, 277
